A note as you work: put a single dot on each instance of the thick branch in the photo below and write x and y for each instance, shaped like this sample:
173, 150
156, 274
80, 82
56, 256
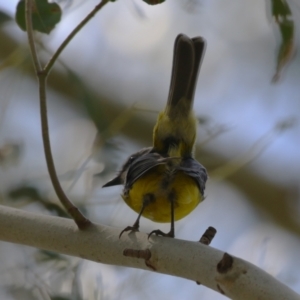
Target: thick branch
232, 276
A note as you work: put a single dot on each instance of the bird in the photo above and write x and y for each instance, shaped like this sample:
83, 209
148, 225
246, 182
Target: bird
164, 183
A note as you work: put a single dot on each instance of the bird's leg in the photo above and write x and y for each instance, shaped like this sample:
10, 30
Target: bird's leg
171, 233
147, 199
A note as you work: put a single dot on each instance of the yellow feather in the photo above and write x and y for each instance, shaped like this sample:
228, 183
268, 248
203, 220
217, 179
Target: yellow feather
184, 187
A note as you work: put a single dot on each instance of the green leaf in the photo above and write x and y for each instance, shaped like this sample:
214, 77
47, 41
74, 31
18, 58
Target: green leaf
4, 17
55, 209
287, 30
44, 15
61, 297
284, 19
46, 256
280, 8
154, 2
33, 194
25, 192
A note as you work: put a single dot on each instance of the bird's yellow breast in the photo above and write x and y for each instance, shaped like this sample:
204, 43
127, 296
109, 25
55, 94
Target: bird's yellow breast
164, 187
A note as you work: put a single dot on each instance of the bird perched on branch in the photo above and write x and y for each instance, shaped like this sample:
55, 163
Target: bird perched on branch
164, 183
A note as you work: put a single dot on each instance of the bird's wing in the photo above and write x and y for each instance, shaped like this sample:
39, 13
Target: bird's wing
194, 169
141, 165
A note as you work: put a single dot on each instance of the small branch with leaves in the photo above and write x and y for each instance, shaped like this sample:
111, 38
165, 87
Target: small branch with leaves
42, 74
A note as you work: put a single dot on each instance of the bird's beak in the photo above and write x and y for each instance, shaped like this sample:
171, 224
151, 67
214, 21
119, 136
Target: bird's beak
116, 181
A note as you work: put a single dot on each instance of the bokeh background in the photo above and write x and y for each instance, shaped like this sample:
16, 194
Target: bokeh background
104, 94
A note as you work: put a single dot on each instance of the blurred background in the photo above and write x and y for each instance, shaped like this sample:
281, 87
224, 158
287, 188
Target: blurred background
104, 94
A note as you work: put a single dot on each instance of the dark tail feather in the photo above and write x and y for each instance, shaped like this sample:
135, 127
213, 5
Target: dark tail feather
199, 50
183, 62
188, 54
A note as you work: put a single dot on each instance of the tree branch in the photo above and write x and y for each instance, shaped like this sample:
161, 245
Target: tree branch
233, 277
42, 74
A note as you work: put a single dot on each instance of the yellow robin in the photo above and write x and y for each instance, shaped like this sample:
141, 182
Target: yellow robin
164, 183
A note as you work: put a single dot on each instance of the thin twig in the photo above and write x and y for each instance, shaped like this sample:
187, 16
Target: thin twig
208, 235
78, 217
28, 12
72, 34
42, 74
